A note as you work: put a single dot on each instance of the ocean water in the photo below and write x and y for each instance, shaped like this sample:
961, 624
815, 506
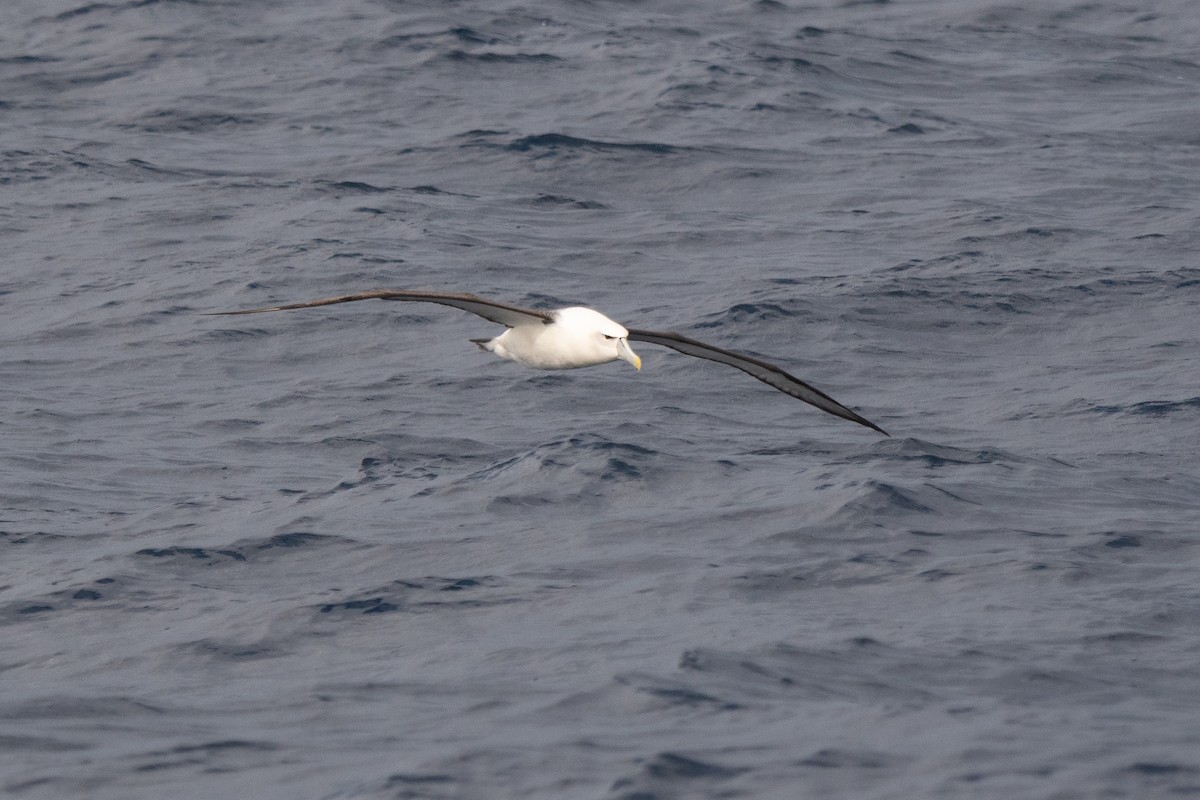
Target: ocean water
342, 553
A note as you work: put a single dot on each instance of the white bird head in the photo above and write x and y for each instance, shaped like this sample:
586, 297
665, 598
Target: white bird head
596, 337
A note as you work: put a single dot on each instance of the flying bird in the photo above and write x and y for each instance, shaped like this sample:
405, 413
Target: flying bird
567, 338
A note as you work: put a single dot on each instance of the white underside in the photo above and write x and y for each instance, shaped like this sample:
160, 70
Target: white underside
543, 347
577, 337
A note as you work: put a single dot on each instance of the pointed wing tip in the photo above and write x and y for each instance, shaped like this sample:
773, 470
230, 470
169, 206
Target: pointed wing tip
868, 424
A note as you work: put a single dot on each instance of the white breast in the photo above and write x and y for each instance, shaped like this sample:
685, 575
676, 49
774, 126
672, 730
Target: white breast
576, 338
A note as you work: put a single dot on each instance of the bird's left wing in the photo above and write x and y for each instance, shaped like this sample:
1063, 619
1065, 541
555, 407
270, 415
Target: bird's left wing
501, 313
764, 371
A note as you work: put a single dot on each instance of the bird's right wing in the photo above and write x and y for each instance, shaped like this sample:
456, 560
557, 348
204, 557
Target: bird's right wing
491, 310
766, 372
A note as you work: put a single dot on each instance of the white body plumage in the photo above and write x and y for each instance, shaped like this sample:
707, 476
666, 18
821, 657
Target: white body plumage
574, 337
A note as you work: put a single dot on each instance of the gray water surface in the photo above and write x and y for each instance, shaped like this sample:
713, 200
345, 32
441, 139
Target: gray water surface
342, 553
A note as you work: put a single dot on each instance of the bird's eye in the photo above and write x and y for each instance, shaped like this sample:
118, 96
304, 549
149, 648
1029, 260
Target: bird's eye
606, 336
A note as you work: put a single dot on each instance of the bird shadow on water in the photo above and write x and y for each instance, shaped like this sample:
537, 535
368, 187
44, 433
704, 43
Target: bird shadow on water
553, 470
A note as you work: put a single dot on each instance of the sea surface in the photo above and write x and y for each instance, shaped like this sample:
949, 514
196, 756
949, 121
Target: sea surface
343, 553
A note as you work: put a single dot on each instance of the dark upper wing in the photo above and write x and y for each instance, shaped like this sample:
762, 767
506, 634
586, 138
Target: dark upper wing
767, 373
501, 313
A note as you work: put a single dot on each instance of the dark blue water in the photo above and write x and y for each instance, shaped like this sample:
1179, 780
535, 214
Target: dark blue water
342, 553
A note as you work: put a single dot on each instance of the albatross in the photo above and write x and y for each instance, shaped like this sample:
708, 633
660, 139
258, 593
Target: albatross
567, 338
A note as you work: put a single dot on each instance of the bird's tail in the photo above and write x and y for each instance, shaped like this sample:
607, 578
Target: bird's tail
484, 344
